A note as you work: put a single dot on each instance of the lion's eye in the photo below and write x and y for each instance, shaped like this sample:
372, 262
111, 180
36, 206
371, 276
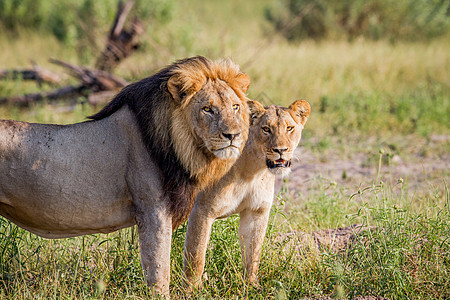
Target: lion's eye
290, 128
207, 109
266, 129
236, 107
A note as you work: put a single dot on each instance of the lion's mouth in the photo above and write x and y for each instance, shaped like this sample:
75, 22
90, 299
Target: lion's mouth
228, 152
229, 146
279, 163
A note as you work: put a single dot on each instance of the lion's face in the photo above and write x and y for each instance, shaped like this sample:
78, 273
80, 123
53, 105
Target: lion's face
277, 132
213, 111
220, 119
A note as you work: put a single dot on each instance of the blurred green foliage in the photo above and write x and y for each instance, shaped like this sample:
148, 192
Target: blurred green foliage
75, 23
373, 19
70, 21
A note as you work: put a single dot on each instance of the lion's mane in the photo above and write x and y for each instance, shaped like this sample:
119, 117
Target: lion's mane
154, 107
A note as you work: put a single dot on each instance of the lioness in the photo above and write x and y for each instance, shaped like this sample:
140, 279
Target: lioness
247, 189
141, 160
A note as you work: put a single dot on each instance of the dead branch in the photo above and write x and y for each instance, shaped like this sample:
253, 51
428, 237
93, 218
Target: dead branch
97, 80
38, 74
121, 42
96, 85
100, 98
92, 82
65, 92
122, 11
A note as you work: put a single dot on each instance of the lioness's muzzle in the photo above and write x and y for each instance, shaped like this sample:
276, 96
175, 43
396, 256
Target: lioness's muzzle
279, 163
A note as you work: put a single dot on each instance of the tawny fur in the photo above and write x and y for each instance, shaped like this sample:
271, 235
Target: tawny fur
133, 164
247, 189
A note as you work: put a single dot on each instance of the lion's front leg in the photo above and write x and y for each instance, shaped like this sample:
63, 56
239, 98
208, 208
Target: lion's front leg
195, 245
252, 229
155, 235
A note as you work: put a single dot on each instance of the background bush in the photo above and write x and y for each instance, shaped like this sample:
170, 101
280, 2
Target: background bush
74, 23
373, 19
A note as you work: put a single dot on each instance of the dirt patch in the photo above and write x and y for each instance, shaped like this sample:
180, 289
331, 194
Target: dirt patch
417, 170
335, 240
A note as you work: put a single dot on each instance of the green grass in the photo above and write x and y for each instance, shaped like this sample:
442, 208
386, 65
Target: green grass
406, 256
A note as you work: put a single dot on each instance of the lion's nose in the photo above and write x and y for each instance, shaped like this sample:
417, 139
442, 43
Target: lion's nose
280, 150
230, 136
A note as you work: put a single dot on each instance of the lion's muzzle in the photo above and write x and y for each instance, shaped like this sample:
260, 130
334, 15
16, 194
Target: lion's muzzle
229, 152
228, 146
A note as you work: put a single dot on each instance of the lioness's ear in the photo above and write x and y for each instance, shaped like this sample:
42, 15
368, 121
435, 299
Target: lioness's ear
243, 81
256, 110
300, 109
181, 87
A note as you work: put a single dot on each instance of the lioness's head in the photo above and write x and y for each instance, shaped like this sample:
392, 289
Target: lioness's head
211, 115
276, 132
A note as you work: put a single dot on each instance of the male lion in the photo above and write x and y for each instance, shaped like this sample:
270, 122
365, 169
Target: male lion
247, 189
141, 160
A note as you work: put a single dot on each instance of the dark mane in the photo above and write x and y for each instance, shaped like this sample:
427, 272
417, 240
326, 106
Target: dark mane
148, 90
149, 99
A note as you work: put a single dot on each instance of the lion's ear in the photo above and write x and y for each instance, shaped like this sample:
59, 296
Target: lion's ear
243, 81
256, 110
174, 87
181, 87
300, 110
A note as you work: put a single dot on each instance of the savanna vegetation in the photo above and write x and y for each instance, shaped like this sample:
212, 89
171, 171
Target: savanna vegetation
377, 76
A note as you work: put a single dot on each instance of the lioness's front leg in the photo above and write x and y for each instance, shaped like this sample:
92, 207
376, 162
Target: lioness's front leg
252, 229
155, 236
195, 245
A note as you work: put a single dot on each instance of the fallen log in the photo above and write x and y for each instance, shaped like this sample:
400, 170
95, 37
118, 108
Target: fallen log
96, 85
92, 82
100, 98
96, 80
65, 92
39, 74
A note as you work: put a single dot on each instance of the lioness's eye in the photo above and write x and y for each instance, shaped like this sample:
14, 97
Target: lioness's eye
290, 128
266, 129
236, 107
207, 109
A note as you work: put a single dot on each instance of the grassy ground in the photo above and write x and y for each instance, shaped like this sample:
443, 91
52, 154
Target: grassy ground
365, 96
406, 256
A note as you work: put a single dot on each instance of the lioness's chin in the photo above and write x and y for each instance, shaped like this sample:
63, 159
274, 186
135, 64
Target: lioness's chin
279, 167
227, 153
281, 171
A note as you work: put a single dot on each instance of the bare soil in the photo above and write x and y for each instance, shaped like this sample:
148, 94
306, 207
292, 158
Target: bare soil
419, 170
335, 240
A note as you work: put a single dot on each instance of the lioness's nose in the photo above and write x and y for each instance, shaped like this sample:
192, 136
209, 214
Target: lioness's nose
230, 136
280, 150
